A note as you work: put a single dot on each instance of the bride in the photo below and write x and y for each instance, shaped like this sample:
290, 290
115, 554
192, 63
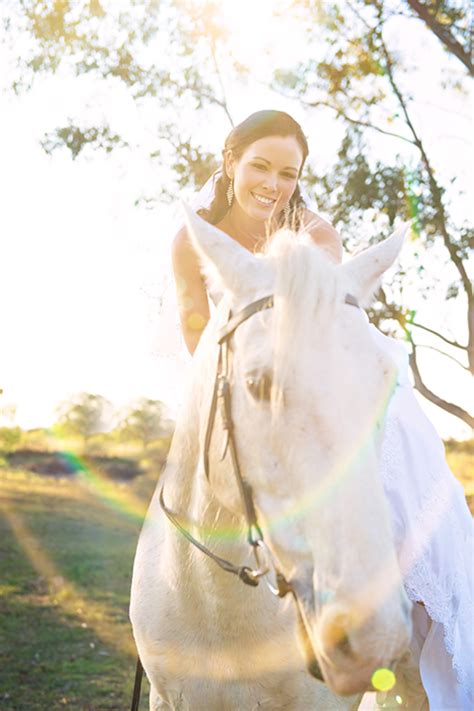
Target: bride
253, 194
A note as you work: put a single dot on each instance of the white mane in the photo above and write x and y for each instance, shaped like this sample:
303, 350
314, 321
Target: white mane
308, 289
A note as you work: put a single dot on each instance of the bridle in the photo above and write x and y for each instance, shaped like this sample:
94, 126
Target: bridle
221, 400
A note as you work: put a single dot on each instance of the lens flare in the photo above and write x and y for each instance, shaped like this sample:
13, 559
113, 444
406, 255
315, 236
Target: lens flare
123, 500
383, 679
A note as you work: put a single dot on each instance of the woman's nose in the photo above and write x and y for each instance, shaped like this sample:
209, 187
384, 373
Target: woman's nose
270, 182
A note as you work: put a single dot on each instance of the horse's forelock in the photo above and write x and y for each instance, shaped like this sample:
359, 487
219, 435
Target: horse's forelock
307, 289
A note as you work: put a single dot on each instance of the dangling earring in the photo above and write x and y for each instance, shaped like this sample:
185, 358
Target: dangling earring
230, 193
286, 211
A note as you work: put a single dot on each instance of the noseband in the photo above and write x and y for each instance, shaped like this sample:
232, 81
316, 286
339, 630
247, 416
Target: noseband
266, 567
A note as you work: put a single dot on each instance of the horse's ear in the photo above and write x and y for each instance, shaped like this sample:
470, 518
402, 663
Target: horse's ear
225, 262
365, 270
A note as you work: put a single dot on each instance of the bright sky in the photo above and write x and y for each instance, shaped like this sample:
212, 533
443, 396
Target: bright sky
86, 282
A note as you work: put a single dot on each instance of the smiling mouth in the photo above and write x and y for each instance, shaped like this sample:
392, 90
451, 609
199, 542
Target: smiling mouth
263, 200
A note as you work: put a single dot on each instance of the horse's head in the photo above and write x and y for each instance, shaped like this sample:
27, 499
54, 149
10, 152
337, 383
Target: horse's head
310, 388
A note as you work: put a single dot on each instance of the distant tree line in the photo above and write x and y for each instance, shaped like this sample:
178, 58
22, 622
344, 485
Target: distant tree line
86, 415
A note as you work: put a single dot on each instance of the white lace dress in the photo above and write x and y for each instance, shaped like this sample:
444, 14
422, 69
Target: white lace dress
433, 531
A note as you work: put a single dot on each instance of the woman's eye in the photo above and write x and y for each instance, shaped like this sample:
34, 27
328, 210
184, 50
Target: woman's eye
257, 165
260, 387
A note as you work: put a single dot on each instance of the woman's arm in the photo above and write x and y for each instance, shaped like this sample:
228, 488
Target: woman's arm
324, 235
193, 305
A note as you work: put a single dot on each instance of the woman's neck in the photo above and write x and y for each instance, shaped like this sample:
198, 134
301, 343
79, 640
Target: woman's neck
251, 234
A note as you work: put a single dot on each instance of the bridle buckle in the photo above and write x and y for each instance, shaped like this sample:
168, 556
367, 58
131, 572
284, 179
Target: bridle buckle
255, 535
279, 586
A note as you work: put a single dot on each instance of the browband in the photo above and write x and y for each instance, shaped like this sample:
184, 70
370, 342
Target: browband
266, 302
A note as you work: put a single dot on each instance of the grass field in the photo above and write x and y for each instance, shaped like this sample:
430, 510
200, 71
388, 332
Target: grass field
66, 553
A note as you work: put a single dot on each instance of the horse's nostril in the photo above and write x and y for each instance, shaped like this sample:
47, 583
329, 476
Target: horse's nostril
336, 631
344, 646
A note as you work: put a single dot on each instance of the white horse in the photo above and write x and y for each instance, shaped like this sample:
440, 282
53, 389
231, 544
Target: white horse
310, 387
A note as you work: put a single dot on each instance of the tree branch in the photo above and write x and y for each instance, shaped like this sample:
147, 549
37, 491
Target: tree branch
223, 103
443, 33
357, 122
455, 344
360, 17
436, 192
446, 355
419, 384
431, 396
450, 407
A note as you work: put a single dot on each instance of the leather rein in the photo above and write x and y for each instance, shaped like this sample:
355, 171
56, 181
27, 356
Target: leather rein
221, 400
265, 564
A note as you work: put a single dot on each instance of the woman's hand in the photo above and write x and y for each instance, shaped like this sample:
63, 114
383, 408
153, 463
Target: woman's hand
324, 235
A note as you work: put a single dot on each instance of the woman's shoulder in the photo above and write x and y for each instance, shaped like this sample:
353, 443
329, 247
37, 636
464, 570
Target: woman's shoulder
181, 238
181, 243
183, 254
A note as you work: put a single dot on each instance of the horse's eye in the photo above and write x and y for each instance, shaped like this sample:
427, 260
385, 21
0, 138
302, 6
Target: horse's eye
260, 386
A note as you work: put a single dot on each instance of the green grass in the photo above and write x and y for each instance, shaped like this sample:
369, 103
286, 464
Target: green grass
66, 555
460, 457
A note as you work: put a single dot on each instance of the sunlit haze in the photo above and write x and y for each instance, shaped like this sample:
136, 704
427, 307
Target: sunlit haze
86, 285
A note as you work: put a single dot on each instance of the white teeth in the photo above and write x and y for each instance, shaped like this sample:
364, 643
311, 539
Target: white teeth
263, 200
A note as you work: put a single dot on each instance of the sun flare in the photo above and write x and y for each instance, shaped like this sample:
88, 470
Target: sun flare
255, 30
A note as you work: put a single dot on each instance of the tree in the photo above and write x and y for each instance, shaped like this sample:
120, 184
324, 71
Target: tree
144, 420
10, 437
354, 78
7, 411
158, 50
84, 415
450, 23
355, 71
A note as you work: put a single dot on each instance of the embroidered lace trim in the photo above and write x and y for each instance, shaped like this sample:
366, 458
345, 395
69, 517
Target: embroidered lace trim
433, 549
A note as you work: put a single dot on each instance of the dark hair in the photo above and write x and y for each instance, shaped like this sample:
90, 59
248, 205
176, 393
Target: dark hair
257, 125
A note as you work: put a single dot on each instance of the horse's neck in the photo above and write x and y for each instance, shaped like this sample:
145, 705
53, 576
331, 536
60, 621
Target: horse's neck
184, 456
188, 492
221, 531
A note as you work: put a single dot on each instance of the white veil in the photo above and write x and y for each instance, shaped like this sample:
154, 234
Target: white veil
204, 197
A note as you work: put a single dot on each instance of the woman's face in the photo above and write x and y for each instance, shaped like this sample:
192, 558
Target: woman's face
265, 176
